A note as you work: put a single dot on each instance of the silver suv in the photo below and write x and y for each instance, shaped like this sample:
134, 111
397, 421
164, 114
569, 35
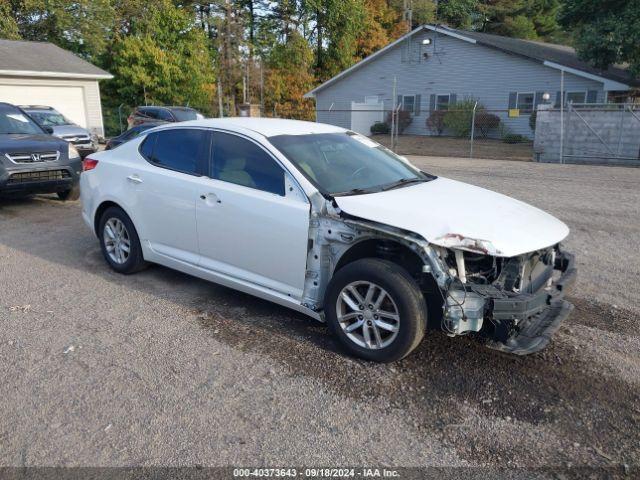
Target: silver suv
50, 118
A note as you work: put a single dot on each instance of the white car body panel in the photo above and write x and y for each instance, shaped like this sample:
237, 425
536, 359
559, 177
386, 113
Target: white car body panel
442, 211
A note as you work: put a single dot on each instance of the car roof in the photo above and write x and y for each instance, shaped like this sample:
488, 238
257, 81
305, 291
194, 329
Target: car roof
268, 127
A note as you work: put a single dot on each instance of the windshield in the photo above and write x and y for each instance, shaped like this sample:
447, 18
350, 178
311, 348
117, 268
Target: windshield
346, 163
13, 121
184, 114
49, 119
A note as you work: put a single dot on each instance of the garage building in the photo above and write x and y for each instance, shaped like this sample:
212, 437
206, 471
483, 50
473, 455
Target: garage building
39, 73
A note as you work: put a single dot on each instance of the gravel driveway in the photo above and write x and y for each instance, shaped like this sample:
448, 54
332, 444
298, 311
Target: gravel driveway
160, 368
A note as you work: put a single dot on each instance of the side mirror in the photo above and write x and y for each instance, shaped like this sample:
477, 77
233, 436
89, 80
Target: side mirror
49, 130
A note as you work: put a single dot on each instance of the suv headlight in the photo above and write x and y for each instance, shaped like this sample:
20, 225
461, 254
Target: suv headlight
73, 151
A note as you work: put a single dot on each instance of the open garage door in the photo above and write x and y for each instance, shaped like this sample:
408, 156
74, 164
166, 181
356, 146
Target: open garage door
68, 100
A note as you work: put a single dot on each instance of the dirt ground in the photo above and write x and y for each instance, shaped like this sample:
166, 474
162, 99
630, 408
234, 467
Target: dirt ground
159, 368
459, 147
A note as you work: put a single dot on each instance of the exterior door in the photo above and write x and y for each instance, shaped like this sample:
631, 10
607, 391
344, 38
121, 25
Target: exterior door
168, 187
249, 227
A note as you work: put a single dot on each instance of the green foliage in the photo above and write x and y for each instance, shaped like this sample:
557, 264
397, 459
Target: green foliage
514, 138
529, 19
605, 32
458, 118
458, 13
164, 61
380, 128
8, 25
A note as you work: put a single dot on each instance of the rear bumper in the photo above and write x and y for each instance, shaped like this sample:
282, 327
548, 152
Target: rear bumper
524, 324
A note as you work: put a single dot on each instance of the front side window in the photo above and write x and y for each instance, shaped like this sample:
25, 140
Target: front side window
346, 163
13, 121
442, 102
177, 149
240, 161
525, 102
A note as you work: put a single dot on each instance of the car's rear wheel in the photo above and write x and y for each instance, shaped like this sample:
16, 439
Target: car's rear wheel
119, 241
376, 310
72, 194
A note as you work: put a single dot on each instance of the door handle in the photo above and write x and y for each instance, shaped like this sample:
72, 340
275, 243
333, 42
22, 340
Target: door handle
211, 196
134, 179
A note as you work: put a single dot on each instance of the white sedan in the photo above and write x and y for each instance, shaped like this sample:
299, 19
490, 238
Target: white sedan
323, 220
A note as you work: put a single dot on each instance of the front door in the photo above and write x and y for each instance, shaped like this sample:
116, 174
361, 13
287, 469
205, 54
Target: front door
249, 226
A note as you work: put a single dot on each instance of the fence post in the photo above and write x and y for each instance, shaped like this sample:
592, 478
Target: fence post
561, 116
393, 109
473, 128
120, 117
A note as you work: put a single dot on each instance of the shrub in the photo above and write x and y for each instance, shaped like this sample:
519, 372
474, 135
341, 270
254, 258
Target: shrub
380, 128
485, 122
404, 120
514, 138
435, 121
458, 119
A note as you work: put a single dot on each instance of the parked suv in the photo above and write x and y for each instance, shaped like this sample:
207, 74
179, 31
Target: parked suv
32, 160
156, 114
62, 127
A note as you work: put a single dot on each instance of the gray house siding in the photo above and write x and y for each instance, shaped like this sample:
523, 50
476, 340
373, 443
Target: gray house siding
455, 67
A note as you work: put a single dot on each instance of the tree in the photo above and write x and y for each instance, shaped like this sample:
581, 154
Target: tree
605, 32
82, 26
457, 13
165, 60
8, 25
529, 19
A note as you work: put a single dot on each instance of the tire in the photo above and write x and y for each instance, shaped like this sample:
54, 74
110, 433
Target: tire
72, 194
112, 219
402, 294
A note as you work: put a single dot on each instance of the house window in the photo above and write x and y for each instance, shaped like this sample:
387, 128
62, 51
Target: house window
408, 103
443, 101
525, 102
576, 97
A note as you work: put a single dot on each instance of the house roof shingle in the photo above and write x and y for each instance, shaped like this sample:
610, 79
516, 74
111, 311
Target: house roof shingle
42, 58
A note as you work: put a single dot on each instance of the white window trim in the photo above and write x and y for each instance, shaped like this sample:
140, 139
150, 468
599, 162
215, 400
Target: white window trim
448, 95
567, 92
413, 109
533, 104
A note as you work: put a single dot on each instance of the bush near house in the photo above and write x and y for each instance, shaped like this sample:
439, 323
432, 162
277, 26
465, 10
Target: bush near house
380, 128
403, 118
458, 119
435, 121
485, 123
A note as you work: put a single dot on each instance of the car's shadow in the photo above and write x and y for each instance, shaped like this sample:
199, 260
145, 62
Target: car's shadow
440, 384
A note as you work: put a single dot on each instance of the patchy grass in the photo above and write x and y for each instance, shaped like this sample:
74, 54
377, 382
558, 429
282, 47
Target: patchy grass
459, 147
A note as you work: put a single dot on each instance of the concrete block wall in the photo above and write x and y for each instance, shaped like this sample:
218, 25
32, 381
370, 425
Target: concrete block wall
598, 134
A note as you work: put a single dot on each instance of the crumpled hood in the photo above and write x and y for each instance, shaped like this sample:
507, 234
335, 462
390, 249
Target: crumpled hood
455, 214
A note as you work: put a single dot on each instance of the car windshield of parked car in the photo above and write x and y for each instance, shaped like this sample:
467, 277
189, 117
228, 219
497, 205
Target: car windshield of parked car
347, 163
15, 122
184, 114
49, 119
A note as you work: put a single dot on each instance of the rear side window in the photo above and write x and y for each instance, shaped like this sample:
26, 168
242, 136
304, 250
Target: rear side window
240, 161
179, 149
165, 115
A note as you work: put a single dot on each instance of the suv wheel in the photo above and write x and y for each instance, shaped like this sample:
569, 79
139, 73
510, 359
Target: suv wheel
376, 310
119, 242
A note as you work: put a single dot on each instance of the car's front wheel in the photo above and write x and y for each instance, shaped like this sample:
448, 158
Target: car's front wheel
376, 310
119, 241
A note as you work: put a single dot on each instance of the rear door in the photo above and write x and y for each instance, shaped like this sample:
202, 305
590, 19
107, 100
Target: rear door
253, 221
168, 186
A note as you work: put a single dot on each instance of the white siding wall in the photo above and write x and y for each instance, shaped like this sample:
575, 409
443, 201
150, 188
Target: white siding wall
90, 93
454, 66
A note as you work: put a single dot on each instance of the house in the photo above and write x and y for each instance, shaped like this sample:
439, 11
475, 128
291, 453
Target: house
433, 67
37, 73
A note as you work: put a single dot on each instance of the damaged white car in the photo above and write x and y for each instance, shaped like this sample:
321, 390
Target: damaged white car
329, 223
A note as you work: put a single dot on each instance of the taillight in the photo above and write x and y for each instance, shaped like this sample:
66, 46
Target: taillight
89, 164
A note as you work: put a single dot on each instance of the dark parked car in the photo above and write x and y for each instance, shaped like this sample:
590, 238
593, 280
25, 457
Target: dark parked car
62, 127
34, 161
130, 134
156, 114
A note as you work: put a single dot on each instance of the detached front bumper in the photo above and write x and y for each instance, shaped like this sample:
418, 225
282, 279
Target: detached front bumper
524, 324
